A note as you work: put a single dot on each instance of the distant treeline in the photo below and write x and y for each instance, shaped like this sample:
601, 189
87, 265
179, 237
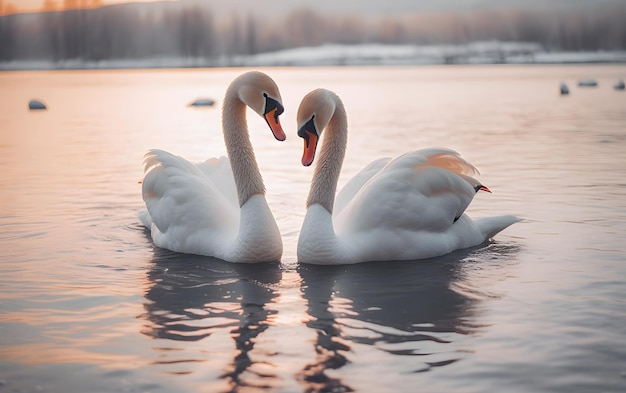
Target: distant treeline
183, 30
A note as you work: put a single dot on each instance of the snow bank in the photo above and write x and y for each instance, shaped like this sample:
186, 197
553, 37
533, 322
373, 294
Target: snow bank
491, 52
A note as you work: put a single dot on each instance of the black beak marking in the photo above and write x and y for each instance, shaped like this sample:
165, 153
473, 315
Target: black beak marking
308, 127
270, 105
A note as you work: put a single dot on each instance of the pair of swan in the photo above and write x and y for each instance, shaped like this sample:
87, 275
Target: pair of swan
409, 207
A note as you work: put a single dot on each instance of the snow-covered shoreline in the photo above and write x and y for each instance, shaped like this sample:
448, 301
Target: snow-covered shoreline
491, 52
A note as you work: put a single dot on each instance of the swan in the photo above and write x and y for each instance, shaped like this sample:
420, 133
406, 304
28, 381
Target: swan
217, 208
406, 208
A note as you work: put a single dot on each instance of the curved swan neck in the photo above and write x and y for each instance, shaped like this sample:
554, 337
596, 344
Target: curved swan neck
326, 175
240, 152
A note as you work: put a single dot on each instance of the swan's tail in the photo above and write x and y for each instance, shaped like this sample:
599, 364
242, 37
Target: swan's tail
491, 226
145, 218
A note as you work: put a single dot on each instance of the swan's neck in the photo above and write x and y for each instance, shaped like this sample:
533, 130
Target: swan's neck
240, 152
326, 175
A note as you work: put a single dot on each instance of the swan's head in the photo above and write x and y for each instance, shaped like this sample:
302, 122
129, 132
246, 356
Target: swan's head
314, 114
261, 93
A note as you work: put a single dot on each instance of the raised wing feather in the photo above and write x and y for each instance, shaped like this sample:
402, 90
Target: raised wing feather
220, 173
424, 190
185, 200
353, 186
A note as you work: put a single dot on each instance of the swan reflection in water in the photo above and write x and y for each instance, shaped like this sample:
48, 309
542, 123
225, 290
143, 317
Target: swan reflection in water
213, 303
380, 310
207, 318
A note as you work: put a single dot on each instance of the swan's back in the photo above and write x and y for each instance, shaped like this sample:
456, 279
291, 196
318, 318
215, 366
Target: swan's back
422, 190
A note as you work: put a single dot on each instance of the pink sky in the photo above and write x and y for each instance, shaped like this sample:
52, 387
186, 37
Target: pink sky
12, 6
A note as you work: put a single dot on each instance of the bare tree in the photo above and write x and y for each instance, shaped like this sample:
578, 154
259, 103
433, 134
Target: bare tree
251, 36
7, 32
196, 32
89, 32
305, 27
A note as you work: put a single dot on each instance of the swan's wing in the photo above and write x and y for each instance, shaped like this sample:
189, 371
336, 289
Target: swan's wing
424, 190
353, 186
221, 174
183, 201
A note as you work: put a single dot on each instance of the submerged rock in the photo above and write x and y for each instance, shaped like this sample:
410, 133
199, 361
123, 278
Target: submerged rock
203, 102
587, 83
619, 85
36, 105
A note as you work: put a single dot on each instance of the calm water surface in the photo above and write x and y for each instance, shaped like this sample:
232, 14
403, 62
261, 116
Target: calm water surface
88, 304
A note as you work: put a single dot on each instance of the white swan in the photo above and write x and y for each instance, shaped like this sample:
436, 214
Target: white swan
202, 208
409, 207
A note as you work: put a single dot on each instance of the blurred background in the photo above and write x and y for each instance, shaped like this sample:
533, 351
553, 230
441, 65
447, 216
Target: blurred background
192, 33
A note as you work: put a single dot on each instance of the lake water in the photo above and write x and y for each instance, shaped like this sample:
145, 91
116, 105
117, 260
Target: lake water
88, 304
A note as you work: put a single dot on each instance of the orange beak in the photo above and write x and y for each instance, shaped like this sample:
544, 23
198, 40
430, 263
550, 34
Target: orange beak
310, 145
272, 120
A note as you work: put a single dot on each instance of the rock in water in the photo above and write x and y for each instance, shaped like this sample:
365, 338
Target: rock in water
36, 105
203, 102
587, 83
